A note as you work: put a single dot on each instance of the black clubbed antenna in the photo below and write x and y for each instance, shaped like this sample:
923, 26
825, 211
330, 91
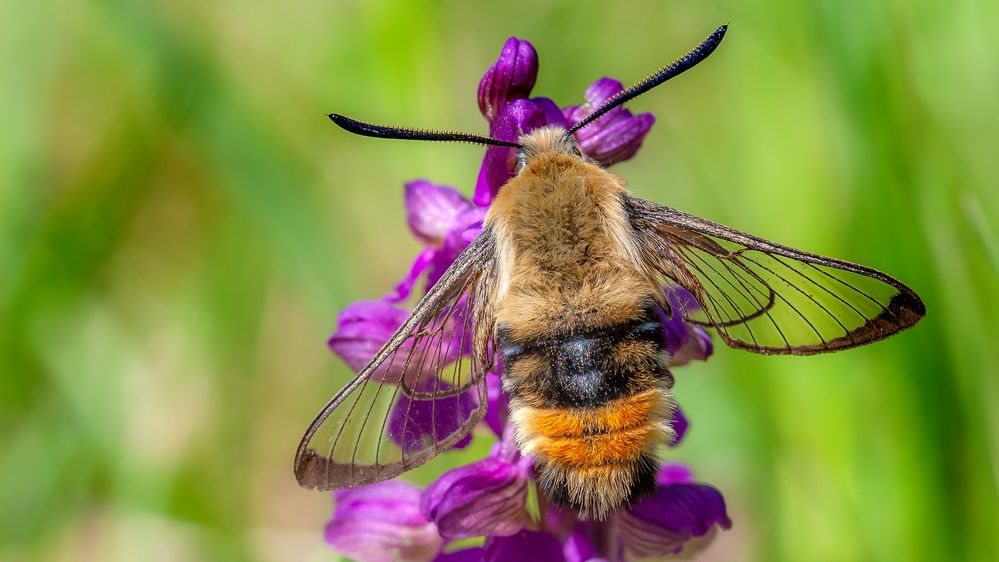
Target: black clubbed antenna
383, 132
686, 62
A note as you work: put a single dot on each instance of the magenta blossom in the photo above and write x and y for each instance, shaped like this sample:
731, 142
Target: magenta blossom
489, 497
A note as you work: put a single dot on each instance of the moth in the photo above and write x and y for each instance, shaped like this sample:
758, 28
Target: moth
567, 286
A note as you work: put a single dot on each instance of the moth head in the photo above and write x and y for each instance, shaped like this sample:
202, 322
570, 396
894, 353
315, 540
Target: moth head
546, 142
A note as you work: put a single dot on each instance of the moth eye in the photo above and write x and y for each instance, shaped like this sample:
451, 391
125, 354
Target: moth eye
575, 150
521, 161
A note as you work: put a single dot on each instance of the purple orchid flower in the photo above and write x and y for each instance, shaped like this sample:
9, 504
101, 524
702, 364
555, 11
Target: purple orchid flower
678, 519
680, 425
499, 401
489, 498
525, 546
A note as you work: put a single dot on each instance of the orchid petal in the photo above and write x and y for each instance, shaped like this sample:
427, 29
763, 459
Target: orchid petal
431, 210
679, 425
404, 289
498, 406
362, 329
455, 242
615, 136
465, 555
684, 342
411, 422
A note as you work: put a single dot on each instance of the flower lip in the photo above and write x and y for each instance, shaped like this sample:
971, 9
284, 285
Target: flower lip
487, 497
679, 518
382, 523
525, 546
684, 342
365, 326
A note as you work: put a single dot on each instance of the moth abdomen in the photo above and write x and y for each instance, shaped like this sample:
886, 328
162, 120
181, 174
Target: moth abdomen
592, 406
595, 460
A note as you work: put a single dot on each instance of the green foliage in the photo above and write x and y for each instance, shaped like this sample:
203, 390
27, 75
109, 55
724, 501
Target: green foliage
180, 224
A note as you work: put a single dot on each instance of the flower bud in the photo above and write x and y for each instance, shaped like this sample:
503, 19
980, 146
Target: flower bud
510, 78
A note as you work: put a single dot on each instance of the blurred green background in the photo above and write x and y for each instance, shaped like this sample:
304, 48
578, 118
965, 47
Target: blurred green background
180, 224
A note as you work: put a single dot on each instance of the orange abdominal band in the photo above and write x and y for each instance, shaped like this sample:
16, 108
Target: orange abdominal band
615, 433
607, 448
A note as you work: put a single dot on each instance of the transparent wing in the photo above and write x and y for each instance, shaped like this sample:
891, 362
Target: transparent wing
769, 298
422, 392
